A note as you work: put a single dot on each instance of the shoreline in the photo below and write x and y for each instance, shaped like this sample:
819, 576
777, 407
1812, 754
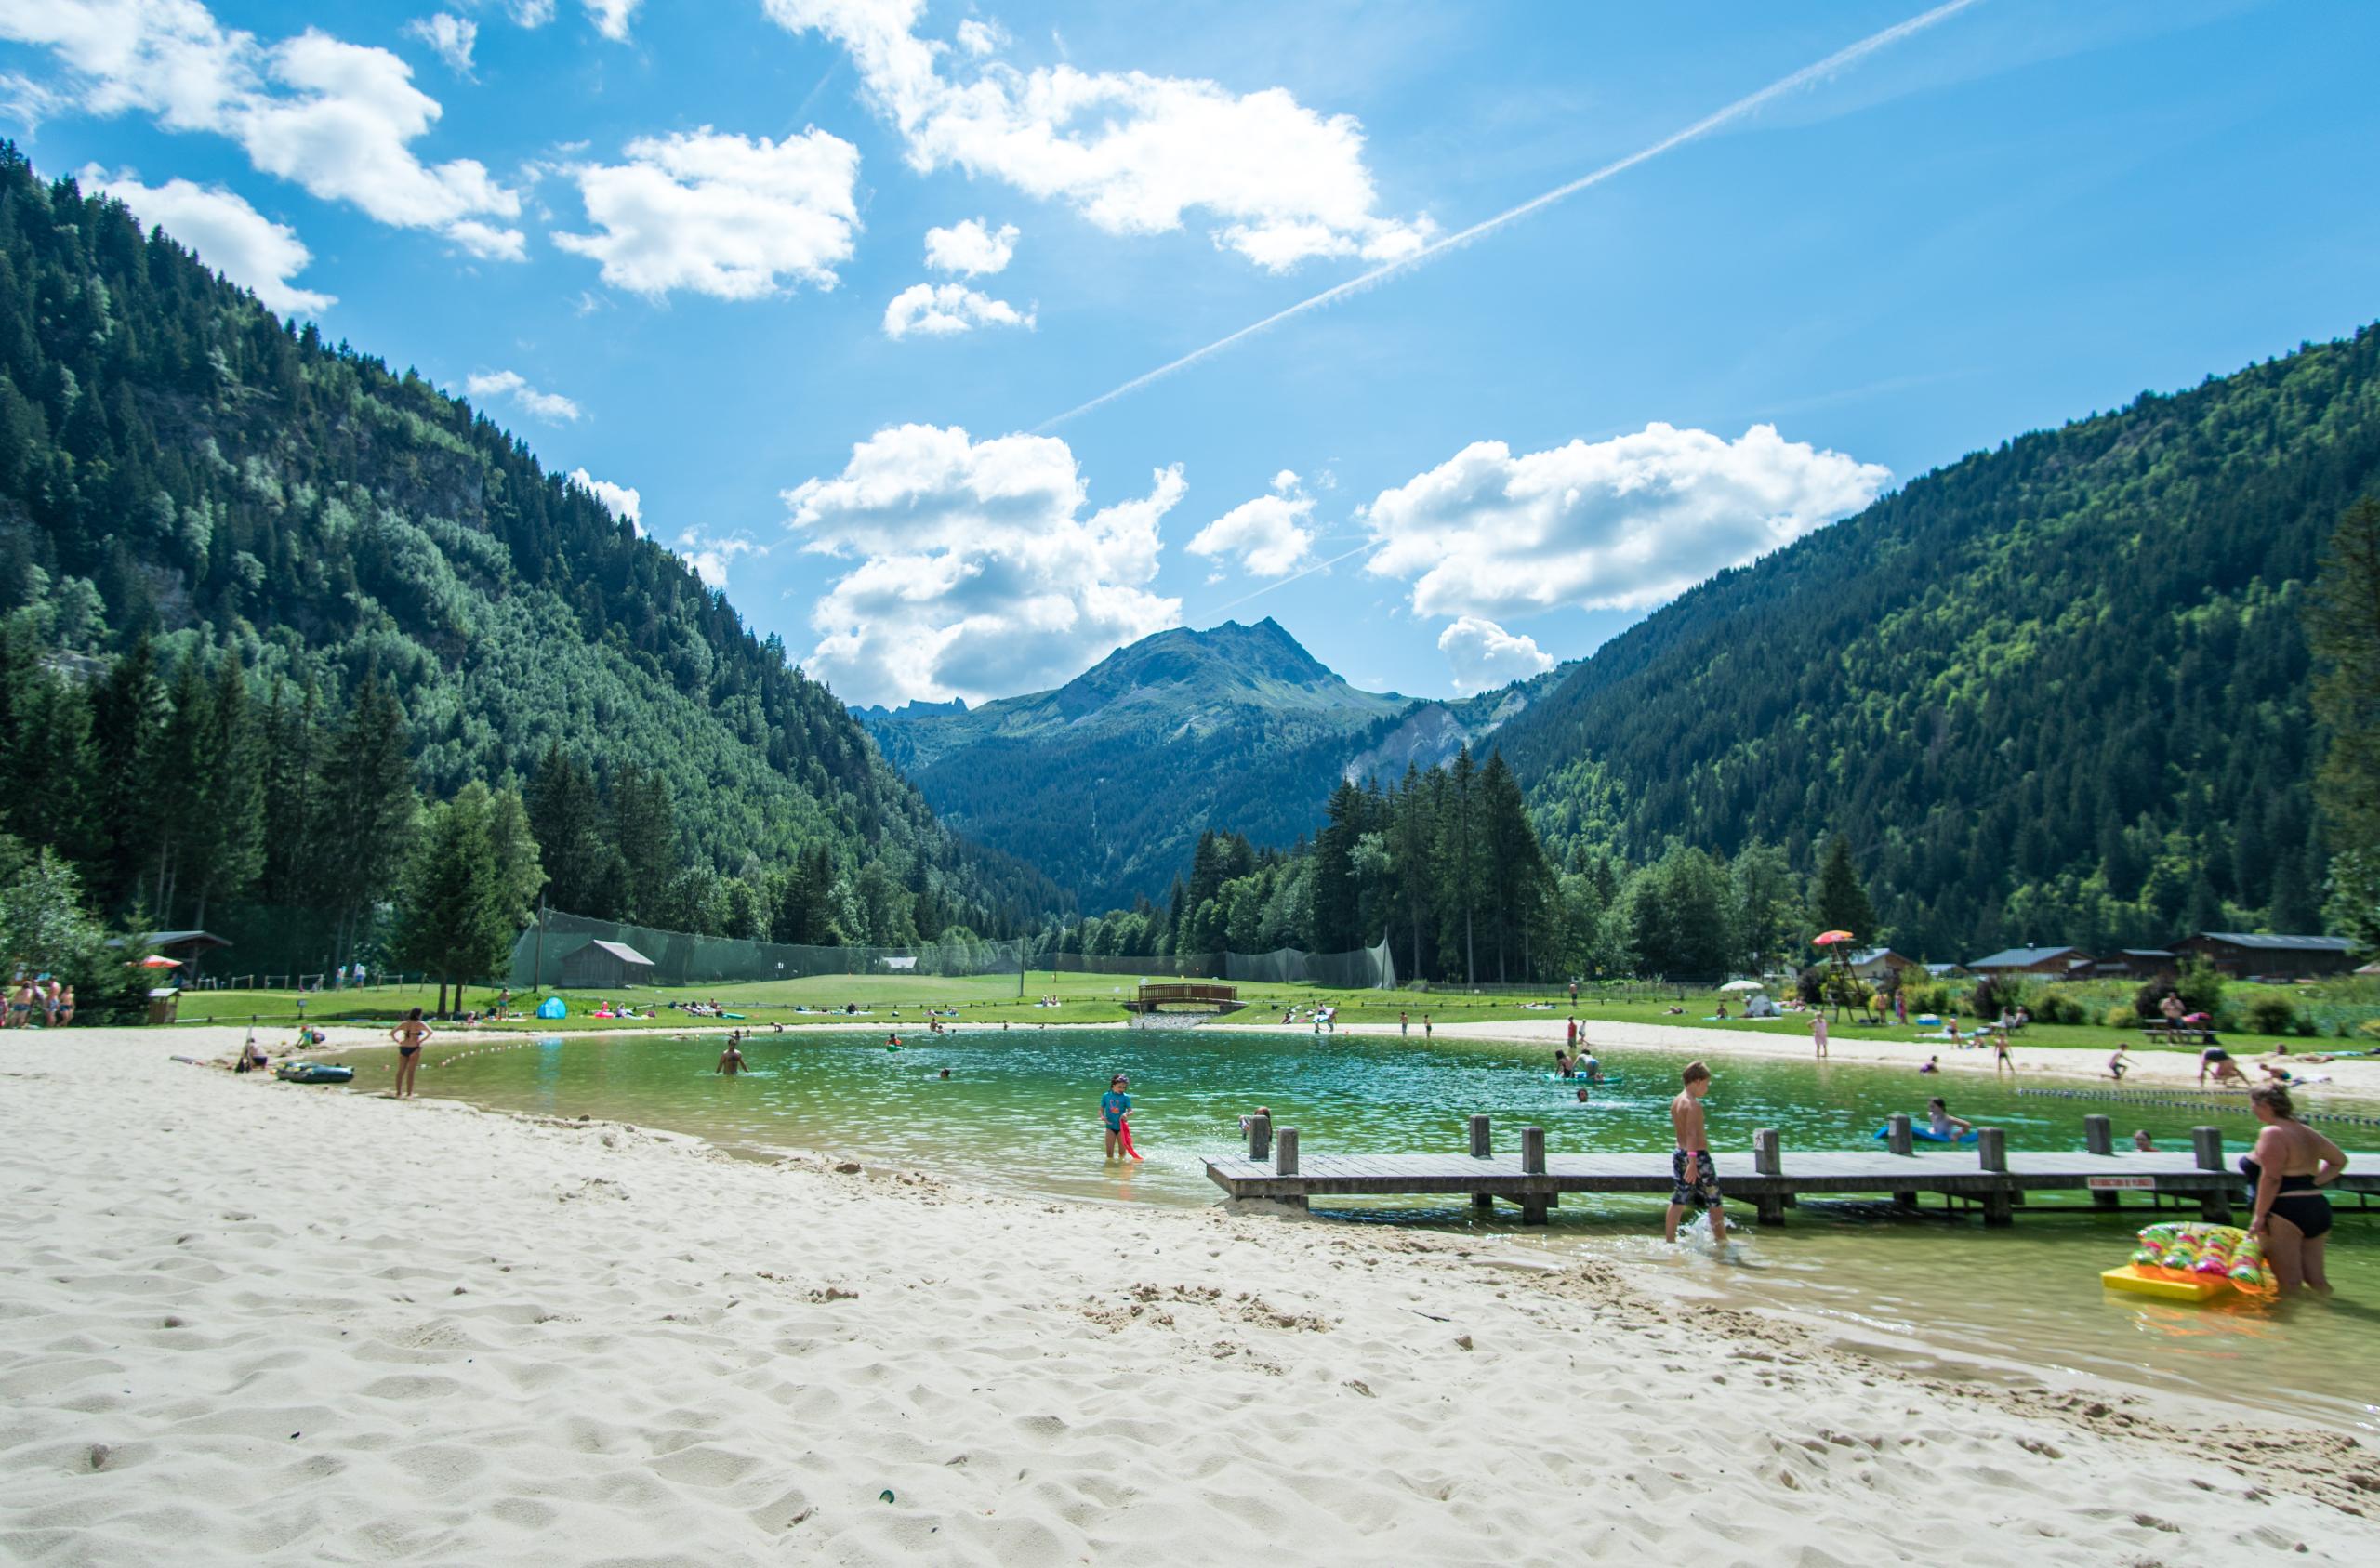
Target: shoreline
475, 1335
2358, 1078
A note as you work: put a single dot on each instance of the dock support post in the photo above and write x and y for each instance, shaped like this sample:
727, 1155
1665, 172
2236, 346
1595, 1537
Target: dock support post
1991, 1152
1285, 1162
1896, 1135
1533, 1205
1481, 1148
2099, 1138
2207, 1144
1769, 1159
1260, 1137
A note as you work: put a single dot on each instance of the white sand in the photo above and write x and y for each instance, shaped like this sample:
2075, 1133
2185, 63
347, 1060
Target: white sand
242, 1321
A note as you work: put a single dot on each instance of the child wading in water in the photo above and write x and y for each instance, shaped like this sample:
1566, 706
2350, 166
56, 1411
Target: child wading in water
1694, 1180
1116, 1111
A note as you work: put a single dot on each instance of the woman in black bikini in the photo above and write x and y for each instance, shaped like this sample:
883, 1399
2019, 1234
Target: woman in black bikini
409, 1037
2289, 1166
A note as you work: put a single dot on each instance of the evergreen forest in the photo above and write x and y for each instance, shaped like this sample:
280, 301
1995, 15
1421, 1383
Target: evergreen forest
2056, 692
268, 607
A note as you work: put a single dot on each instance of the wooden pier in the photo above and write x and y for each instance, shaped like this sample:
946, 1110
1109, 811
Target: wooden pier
1986, 1176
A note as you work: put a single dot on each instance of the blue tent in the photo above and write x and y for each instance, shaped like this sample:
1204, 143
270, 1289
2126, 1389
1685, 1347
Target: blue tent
552, 1008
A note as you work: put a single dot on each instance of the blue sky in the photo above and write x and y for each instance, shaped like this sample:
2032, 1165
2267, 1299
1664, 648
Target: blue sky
691, 251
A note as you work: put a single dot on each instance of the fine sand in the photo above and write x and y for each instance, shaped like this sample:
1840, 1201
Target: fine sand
244, 1320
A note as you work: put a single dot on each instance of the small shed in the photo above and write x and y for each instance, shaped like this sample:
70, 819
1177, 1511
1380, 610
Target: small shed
601, 965
2254, 953
1877, 962
2043, 963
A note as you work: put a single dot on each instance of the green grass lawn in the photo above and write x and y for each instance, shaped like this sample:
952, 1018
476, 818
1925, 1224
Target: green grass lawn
1097, 998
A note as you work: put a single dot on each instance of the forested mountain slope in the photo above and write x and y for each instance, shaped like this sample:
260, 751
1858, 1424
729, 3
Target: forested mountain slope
2055, 693
1106, 781
175, 462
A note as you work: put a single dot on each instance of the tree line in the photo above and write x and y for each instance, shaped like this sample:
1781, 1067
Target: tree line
1446, 867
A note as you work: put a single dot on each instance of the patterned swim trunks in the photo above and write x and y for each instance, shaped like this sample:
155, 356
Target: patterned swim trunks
1694, 1180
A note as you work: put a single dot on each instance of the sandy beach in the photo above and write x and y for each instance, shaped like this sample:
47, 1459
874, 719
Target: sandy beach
244, 1321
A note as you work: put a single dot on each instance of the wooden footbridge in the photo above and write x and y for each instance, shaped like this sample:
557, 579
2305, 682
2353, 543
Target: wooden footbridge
1195, 997
1987, 1177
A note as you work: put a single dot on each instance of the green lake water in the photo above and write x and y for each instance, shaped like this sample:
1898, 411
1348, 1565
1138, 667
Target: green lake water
1020, 1111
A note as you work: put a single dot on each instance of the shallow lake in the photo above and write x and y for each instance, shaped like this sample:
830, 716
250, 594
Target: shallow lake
1020, 1111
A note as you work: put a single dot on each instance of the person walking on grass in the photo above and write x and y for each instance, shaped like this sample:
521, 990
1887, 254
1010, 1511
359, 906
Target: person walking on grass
410, 1036
1694, 1178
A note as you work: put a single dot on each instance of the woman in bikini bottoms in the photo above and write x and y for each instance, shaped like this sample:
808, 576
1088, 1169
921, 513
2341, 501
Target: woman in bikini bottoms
410, 1036
2291, 1165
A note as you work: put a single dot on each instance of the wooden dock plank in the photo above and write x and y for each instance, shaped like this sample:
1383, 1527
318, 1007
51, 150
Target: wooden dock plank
1838, 1172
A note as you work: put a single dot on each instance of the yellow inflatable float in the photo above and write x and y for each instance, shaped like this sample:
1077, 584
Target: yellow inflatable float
2194, 1263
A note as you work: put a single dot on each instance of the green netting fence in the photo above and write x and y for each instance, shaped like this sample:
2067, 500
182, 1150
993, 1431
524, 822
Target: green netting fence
574, 952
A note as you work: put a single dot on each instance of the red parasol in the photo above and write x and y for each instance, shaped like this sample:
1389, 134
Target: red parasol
159, 961
1827, 939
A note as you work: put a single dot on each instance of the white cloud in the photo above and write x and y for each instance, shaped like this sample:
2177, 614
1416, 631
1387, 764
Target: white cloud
943, 310
450, 37
552, 407
975, 572
335, 117
1132, 152
711, 556
1615, 524
981, 37
625, 504
971, 246
1482, 654
1268, 536
720, 215
531, 13
611, 17
228, 234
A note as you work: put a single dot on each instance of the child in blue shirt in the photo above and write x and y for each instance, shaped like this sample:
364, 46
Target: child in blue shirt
1115, 1106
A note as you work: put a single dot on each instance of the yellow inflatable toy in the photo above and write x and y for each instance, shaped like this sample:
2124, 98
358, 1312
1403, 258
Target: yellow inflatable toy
2194, 1263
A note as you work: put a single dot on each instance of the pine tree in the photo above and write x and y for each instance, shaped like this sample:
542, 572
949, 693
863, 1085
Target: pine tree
2343, 627
367, 812
1335, 892
1841, 903
1459, 866
566, 816
451, 919
644, 833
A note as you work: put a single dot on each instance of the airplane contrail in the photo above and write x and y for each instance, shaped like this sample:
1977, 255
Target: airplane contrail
1285, 581
1851, 55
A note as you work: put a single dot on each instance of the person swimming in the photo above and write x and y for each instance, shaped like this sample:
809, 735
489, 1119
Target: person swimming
731, 1061
1943, 1125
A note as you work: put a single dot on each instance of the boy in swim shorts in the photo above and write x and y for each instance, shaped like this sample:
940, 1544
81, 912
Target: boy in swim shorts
1694, 1178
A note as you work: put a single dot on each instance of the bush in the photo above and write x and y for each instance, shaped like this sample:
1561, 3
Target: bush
1933, 997
2150, 997
2202, 988
2121, 1017
2270, 1014
2308, 1025
1811, 986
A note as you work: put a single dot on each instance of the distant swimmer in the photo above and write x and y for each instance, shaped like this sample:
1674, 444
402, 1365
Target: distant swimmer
892, 1042
731, 1061
946, 1072
1582, 1094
